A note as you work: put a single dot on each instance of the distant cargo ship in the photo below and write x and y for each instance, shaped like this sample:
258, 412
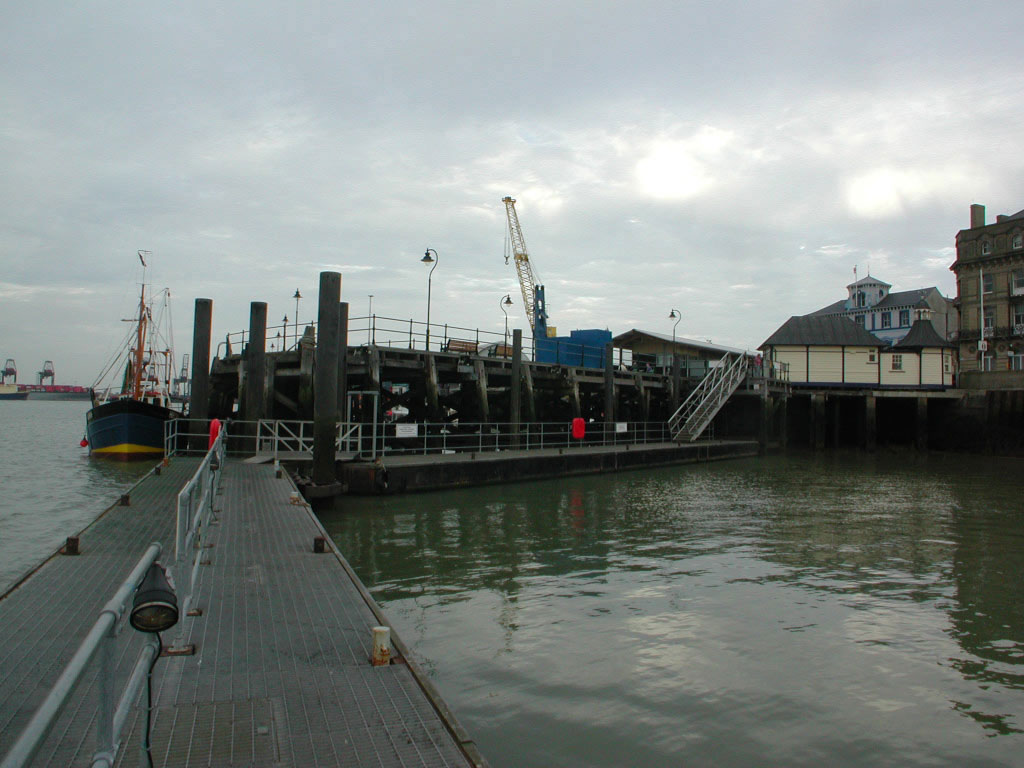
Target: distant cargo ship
54, 391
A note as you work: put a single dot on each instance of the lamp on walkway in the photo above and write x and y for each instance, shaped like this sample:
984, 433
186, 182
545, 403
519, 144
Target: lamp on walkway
297, 296
506, 302
427, 259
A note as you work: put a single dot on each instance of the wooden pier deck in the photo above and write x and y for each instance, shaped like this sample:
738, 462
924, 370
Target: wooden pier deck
281, 673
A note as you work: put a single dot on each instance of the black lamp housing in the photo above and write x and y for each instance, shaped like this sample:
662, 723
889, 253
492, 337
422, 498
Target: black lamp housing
155, 606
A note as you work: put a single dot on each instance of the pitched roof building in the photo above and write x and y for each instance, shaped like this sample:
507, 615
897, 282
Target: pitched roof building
890, 315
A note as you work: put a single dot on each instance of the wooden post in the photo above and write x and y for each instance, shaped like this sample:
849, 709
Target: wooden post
609, 391
516, 390
432, 388
199, 393
921, 442
342, 358
255, 368
325, 387
870, 423
818, 421
481, 389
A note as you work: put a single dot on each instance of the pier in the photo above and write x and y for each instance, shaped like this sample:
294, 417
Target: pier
271, 664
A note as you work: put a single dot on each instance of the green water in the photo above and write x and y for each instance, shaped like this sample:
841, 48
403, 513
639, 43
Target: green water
841, 610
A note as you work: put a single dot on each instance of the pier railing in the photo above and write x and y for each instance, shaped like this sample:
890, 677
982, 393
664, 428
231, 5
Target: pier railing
194, 507
101, 640
400, 333
283, 440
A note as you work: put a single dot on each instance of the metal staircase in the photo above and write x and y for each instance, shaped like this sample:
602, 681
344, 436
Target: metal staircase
707, 398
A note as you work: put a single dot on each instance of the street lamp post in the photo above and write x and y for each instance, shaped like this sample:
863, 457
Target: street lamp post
676, 315
428, 260
297, 296
506, 302
369, 321
284, 322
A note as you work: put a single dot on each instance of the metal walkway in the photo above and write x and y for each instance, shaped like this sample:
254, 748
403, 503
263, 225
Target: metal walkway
281, 674
707, 398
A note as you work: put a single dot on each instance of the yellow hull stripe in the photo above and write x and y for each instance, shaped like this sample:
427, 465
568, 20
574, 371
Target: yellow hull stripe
128, 448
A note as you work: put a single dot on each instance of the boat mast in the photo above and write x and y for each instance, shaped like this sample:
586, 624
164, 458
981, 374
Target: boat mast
140, 332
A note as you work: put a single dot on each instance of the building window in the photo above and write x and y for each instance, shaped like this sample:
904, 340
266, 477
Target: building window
859, 319
987, 283
904, 318
887, 319
871, 356
1017, 312
1018, 241
1017, 282
986, 362
1016, 362
897, 362
986, 248
988, 321
945, 363
860, 298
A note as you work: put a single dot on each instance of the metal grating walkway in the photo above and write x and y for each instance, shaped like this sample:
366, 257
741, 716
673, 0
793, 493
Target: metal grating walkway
281, 675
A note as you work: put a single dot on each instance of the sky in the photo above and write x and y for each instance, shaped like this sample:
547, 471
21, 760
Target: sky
733, 161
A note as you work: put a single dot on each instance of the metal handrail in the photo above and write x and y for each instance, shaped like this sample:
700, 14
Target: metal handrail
110, 720
407, 437
194, 506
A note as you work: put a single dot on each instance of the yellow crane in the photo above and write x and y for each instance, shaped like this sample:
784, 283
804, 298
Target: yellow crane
533, 293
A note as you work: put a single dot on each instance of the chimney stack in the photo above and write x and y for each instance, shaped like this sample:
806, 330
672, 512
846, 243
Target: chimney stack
977, 216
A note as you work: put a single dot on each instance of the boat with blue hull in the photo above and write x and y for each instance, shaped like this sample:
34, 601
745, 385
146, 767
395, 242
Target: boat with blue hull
127, 422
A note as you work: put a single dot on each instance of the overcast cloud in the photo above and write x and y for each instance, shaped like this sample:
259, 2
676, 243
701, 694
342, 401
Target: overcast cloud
734, 161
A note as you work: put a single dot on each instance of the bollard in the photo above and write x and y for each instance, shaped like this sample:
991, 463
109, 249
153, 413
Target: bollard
381, 646
70, 546
319, 545
126, 500
277, 469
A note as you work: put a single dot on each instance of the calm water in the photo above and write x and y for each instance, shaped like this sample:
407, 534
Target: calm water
49, 488
846, 610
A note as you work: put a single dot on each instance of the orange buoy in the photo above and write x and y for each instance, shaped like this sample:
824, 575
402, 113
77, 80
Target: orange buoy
84, 443
579, 428
214, 431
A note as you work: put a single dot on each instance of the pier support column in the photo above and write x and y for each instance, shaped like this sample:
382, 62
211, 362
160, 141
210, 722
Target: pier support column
921, 442
516, 390
783, 421
531, 401
836, 420
818, 422
199, 392
870, 423
481, 389
342, 358
307, 348
255, 369
764, 421
431, 386
325, 388
609, 391
574, 394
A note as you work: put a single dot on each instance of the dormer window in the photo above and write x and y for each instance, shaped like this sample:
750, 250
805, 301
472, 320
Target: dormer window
986, 247
1018, 241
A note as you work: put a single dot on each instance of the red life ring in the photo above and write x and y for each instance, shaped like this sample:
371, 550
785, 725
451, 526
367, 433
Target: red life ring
214, 431
579, 428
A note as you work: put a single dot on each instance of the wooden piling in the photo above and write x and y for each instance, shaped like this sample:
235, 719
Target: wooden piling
256, 363
516, 390
325, 389
342, 357
199, 394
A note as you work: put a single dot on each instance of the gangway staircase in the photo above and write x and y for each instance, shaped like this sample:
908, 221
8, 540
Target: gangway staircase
707, 398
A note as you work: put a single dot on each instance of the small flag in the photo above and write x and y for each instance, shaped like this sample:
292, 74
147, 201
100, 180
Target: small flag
142, 259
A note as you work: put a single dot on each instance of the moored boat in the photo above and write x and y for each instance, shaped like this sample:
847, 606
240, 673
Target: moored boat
128, 422
11, 392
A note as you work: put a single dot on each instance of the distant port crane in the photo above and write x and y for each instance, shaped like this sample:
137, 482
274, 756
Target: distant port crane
533, 291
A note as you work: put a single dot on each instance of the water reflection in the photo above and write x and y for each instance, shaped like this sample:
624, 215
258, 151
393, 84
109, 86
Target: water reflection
849, 607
